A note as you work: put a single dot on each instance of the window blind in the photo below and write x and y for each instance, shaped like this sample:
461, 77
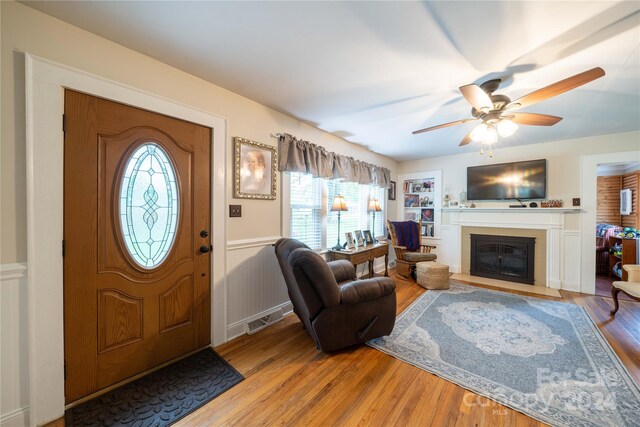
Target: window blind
306, 209
353, 219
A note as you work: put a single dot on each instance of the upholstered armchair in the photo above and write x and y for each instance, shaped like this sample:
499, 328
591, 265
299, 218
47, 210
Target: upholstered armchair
631, 287
407, 243
336, 309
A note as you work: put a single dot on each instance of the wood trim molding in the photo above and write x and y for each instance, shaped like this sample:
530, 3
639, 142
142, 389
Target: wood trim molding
45, 81
589, 179
12, 271
251, 243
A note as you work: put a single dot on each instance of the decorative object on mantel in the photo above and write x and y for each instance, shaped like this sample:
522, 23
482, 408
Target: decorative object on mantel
551, 203
533, 205
339, 205
546, 359
254, 170
446, 200
297, 155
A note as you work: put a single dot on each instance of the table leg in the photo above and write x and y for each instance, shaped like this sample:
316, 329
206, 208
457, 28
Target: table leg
370, 268
386, 264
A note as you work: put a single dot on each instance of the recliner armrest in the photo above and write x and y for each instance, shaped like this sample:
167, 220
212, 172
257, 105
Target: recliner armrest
342, 270
366, 290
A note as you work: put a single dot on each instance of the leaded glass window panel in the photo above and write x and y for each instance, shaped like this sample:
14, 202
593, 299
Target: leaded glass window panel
149, 202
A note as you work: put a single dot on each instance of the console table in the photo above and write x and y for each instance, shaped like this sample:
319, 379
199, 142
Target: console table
363, 254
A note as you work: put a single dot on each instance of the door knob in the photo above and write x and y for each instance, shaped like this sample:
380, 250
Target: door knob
204, 249
204, 233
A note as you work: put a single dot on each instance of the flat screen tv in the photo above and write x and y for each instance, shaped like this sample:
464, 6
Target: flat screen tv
508, 181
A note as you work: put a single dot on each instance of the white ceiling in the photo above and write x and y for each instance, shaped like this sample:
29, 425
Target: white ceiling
372, 72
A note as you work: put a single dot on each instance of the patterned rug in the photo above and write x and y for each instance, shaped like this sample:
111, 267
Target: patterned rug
543, 358
162, 397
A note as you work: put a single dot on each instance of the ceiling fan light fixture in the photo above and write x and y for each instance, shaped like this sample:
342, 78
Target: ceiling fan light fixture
491, 135
506, 128
479, 132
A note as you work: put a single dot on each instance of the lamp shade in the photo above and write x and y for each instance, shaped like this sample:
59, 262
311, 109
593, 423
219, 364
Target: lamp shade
374, 205
339, 204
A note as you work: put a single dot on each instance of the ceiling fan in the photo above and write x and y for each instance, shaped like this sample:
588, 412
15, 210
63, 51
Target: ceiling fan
496, 112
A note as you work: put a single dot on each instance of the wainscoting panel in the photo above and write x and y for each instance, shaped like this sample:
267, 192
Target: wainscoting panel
14, 369
571, 276
255, 285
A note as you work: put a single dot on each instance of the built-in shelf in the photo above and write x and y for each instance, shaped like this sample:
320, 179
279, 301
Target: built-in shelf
515, 210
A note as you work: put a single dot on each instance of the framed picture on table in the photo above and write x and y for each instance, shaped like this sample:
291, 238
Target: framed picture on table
359, 237
368, 238
350, 242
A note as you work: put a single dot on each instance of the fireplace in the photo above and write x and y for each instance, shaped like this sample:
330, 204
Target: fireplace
503, 257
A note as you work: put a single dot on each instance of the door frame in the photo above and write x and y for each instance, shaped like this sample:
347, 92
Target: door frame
45, 84
589, 183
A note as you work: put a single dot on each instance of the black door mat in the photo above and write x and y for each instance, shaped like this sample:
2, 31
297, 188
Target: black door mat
162, 397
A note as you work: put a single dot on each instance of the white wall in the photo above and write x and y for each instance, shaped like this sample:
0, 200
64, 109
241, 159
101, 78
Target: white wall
254, 282
563, 165
565, 161
27, 30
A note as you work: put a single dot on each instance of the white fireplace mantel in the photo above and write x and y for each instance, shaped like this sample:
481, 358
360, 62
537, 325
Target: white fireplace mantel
549, 219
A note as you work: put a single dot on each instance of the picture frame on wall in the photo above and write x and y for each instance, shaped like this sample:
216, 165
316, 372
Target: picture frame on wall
392, 190
254, 172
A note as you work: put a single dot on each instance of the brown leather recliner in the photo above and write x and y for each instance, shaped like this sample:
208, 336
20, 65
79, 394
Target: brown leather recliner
336, 309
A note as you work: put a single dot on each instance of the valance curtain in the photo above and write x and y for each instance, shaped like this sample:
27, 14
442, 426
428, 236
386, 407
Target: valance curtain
296, 155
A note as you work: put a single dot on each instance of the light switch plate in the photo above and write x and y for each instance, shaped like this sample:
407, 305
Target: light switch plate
235, 211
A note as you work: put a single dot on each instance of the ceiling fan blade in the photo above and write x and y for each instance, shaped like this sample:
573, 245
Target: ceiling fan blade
444, 125
557, 88
467, 139
534, 119
477, 97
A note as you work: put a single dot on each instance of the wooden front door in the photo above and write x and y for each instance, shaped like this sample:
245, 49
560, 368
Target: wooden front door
137, 221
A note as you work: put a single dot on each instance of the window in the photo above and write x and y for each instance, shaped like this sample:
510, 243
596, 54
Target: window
380, 218
310, 219
306, 209
351, 220
149, 205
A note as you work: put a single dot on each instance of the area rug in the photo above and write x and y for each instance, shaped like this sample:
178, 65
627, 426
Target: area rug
546, 359
162, 397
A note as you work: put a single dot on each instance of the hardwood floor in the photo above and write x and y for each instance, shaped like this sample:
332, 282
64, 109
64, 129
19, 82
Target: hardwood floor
603, 287
288, 382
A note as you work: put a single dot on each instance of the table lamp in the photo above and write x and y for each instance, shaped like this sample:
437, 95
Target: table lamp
339, 206
374, 206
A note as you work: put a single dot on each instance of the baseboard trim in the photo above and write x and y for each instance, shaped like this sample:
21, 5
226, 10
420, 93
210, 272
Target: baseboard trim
571, 286
237, 329
16, 418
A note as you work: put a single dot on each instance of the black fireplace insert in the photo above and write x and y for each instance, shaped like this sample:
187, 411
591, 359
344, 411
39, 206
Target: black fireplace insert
503, 257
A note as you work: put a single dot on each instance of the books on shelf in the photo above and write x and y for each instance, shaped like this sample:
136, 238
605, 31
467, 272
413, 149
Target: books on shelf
419, 186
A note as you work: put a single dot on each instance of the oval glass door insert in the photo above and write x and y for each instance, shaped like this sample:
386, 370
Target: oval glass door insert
149, 205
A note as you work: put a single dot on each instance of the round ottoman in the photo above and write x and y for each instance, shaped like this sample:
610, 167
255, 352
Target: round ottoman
432, 275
